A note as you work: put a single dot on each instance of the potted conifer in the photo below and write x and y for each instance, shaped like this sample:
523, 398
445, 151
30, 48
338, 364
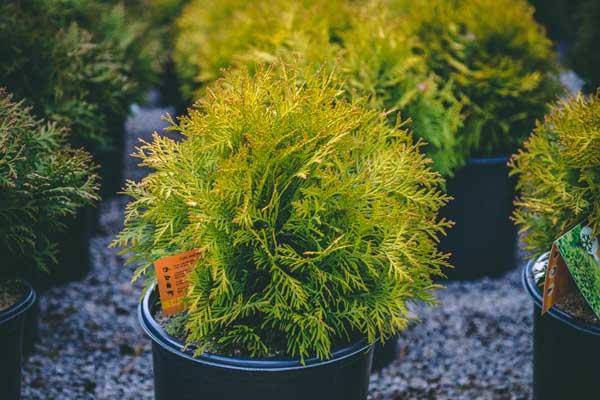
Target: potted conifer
42, 181
314, 222
504, 70
559, 181
80, 64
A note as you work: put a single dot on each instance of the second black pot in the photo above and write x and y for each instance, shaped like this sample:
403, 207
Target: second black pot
565, 351
112, 162
11, 345
483, 239
74, 261
179, 375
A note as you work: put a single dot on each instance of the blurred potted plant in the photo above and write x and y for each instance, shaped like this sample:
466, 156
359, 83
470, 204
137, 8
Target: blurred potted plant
315, 222
559, 180
371, 52
83, 79
42, 181
502, 67
136, 43
388, 59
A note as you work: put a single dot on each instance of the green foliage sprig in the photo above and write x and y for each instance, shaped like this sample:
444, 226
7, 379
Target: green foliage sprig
42, 181
559, 173
315, 218
499, 60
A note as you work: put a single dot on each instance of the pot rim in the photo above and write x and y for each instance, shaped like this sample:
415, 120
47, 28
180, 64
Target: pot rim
175, 346
488, 161
555, 312
20, 306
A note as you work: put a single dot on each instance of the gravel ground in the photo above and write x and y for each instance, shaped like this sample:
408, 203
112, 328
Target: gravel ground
476, 345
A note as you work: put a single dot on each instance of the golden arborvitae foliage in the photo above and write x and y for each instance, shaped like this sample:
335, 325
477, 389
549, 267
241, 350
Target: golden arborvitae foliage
500, 62
316, 219
217, 34
369, 50
559, 173
383, 62
472, 75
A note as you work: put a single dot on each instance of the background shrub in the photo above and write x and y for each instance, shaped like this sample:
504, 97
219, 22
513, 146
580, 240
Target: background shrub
80, 63
380, 60
315, 218
62, 72
216, 34
472, 75
499, 60
367, 48
559, 173
132, 29
42, 181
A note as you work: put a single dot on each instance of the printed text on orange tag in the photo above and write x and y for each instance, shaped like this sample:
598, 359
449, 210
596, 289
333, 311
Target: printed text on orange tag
172, 276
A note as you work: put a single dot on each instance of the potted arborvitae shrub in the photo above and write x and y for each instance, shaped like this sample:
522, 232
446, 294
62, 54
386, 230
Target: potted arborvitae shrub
42, 181
315, 223
503, 68
559, 183
365, 46
76, 66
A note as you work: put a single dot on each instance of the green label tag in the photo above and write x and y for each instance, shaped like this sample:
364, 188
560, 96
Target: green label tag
579, 249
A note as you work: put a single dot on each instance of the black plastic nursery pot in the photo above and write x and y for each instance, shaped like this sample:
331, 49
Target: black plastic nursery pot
179, 375
483, 239
35, 278
385, 353
74, 249
565, 351
112, 162
11, 344
31, 327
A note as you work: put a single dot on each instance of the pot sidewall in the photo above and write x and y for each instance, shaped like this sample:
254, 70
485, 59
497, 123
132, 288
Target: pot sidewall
483, 241
177, 373
565, 351
11, 344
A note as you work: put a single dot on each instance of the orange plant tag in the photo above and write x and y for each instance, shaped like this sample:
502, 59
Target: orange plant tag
558, 282
172, 276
